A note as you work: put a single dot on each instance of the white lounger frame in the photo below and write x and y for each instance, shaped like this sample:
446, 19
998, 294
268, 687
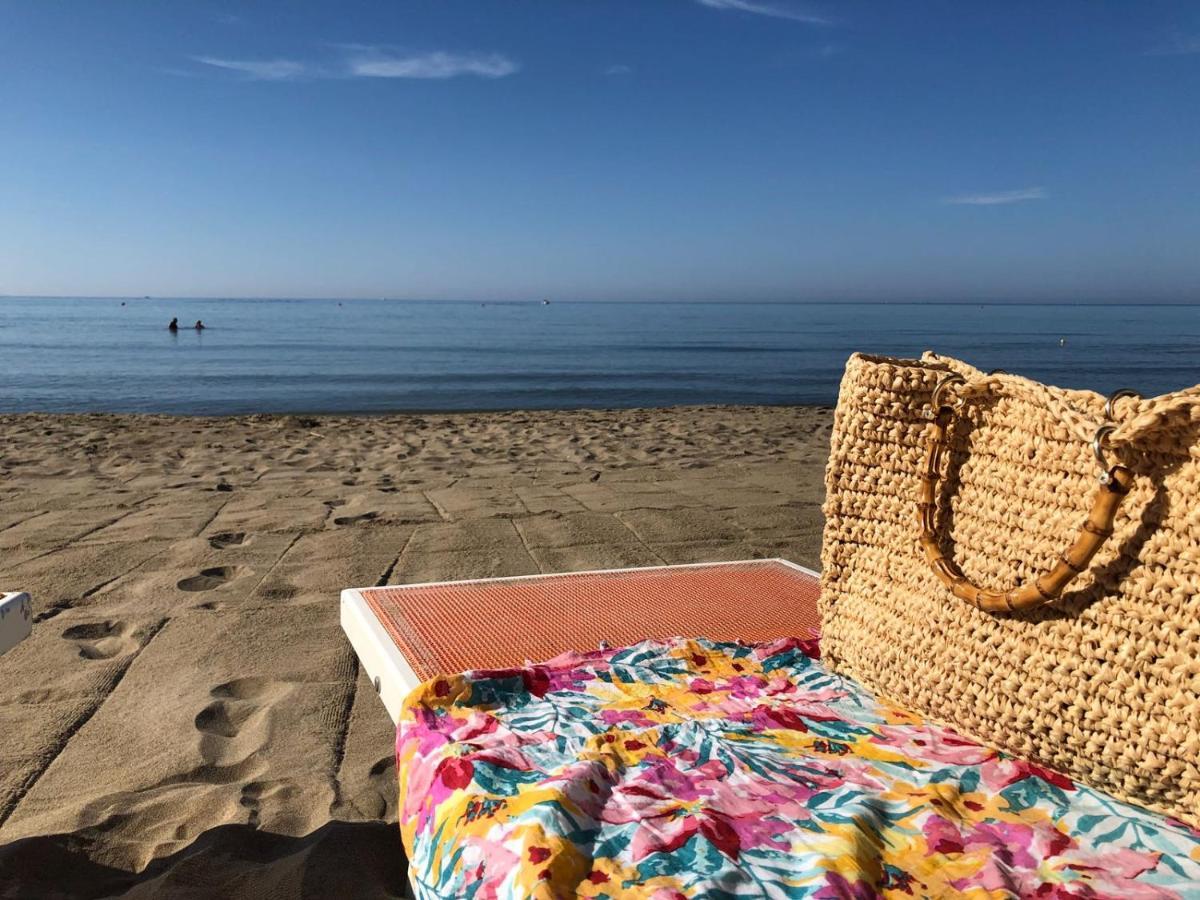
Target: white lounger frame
386, 666
16, 619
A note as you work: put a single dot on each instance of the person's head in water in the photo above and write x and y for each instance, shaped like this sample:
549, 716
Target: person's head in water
174, 326
199, 326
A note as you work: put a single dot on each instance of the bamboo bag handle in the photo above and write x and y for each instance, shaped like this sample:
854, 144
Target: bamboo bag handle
1115, 482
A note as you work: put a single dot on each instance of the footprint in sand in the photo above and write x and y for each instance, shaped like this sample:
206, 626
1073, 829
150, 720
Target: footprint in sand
251, 688
227, 539
222, 719
234, 730
101, 640
232, 733
209, 579
354, 520
382, 778
255, 792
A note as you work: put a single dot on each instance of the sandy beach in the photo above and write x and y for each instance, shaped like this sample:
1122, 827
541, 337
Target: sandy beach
187, 716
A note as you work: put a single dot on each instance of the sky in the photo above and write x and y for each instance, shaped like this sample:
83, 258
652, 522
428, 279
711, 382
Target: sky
581, 149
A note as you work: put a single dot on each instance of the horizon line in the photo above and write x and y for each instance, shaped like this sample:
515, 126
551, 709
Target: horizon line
993, 301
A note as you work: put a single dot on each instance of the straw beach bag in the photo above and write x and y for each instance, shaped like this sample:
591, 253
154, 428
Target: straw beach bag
1022, 563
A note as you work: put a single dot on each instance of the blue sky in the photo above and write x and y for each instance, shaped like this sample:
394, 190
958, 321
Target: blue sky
633, 149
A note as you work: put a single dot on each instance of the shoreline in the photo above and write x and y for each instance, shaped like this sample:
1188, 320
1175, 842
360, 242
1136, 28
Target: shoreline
412, 413
187, 712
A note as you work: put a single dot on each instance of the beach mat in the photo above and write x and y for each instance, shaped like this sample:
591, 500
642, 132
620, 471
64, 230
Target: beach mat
496, 623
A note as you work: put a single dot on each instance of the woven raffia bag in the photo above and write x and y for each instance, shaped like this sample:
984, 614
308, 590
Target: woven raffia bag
991, 562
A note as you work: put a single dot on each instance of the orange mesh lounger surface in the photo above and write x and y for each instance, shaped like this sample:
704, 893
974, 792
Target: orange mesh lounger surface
406, 634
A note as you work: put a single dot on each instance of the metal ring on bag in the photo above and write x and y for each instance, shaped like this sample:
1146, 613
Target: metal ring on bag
1098, 451
1109, 407
947, 380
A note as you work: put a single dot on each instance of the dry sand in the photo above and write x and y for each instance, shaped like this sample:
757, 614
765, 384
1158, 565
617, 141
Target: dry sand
187, 717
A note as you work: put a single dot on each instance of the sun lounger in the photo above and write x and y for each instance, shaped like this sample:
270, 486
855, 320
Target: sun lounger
407, 634
16, 620
733, 763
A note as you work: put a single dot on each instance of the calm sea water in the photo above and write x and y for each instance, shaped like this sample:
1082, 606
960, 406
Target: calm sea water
379, 356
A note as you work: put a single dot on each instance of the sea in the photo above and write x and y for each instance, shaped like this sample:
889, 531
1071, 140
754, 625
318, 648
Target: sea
378, 356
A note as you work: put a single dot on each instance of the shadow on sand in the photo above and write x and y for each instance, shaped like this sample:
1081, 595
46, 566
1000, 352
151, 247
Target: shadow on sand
340, 859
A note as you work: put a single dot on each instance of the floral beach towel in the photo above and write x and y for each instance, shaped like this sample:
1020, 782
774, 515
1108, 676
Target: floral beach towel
680, 769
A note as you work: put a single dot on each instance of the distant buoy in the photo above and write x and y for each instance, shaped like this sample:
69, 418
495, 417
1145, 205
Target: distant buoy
1062, 342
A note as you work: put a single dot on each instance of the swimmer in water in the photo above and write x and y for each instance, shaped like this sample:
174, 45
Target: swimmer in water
174, 326
199, 326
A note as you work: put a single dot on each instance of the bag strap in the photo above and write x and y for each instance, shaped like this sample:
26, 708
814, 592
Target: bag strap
1115, 481
1035, 593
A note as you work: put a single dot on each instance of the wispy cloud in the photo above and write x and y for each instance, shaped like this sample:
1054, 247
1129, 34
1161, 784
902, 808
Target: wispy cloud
1177, 45
998, 198
374, 62
767, 9
359, 61
619, 69
258, 69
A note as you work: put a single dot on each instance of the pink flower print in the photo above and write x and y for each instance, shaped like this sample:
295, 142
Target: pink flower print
932, 745
662, 835
1000, 772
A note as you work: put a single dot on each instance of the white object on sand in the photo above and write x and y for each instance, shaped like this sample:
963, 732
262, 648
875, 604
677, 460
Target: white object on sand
16, 620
